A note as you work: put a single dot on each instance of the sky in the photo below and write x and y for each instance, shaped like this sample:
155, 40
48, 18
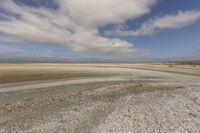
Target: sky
99, 30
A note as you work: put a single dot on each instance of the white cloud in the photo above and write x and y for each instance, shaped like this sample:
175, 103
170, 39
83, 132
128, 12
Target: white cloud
75, 23
176, 21
101, 12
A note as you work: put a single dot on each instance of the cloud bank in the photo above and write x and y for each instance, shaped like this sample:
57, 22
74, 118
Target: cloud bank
174, 21
73, 23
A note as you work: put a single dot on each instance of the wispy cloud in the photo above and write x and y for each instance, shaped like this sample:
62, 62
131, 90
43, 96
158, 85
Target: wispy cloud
74, 23
15, 52
173, 21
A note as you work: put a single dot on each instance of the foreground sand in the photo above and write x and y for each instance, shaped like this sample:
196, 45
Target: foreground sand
98, 98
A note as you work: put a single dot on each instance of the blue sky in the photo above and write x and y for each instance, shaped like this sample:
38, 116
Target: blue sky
89, 30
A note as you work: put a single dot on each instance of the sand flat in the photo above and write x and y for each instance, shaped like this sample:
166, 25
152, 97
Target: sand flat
99, 98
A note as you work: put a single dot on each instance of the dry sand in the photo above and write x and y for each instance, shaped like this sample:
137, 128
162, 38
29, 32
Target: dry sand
99, 98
